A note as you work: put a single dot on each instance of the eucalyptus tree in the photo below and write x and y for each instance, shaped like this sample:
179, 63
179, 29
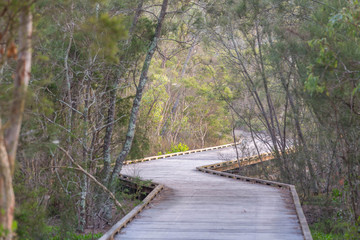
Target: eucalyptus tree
17, 16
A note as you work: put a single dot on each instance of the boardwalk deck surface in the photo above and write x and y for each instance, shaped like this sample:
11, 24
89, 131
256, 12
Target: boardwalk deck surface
197, 205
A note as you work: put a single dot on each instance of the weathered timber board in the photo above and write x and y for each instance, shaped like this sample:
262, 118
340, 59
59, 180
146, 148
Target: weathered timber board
197, 206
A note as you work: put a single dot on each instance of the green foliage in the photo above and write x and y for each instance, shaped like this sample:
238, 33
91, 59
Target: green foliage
322, 236
178, 148
333, 66
146, 29
56, 234
326, 229
312, 84
155, 97
133, 194
28, 208
330, 218
62, 208
106, 31
140, 145
3, 232
123, 109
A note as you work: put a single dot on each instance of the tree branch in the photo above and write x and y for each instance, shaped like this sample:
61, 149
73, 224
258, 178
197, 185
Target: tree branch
79, 168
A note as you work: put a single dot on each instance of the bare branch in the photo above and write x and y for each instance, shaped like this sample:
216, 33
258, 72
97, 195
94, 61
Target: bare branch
71, 107
79, 168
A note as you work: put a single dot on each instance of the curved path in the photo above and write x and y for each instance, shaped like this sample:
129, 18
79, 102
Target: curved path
196, 205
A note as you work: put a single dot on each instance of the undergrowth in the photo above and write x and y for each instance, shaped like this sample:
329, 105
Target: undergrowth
176, 148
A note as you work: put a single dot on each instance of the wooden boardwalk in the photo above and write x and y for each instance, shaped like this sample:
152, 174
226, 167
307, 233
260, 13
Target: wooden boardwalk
196, 205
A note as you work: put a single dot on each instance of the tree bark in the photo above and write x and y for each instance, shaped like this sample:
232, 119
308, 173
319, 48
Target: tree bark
235, 143
137, 101
7, 200
112, 104
135, 19
21, 83
9, 133
108, 133
68, 86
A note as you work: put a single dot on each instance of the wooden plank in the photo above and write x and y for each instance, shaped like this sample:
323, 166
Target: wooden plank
301, 217
208, 235
304, 225
131, 215
202, 206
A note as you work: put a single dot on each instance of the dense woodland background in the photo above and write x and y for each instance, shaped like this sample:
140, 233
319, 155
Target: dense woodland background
117, 79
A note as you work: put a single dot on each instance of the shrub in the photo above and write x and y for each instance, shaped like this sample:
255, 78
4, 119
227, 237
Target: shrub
179, 148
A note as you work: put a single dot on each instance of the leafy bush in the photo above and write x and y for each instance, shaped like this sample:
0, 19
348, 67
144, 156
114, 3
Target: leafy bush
322, 236
57, 235
339, 230
176, 148
28, 208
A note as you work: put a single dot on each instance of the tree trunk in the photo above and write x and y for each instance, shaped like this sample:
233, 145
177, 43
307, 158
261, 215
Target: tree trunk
135, 20
108, 133
9, 134
105, 175
68, 76
235, 143
110, 120
7, 200
139, 92
313, 180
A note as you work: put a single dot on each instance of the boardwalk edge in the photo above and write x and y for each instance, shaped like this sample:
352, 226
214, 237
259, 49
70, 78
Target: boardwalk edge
177, 154
299, 212
173, 154
211, 169
132, 214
